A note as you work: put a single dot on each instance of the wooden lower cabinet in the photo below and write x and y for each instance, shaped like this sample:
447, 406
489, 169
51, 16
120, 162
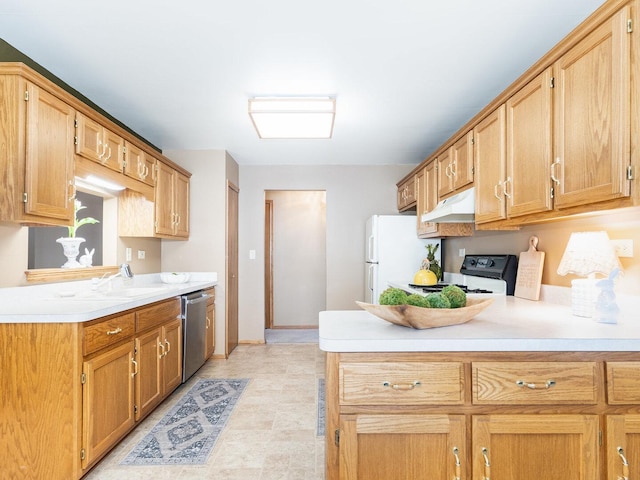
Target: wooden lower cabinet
159, 356
107, 401
532, 447
482, 415
623, 447
211, 322
402, 446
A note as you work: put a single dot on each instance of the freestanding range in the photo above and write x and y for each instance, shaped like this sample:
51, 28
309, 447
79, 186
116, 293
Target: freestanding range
194, 327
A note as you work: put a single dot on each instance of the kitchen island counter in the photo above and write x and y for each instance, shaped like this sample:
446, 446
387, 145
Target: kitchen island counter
508, 324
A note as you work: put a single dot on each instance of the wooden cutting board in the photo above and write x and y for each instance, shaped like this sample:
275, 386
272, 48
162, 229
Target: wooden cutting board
529, 275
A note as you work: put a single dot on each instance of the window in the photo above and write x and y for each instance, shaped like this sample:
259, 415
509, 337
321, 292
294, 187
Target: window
45, 252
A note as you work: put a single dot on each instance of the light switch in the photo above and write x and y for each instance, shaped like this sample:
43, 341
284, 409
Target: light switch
127, 254
252, 254
141, 254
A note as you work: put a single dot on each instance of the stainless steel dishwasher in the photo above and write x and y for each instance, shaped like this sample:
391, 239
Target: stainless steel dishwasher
194, 327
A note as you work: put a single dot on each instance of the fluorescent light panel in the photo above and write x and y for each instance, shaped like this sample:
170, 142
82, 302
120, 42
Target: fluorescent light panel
94, 181
293, 117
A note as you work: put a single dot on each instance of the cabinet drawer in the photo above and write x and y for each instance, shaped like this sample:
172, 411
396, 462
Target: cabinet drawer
157, 314
107, 332
623, 383
534, 383
402, 383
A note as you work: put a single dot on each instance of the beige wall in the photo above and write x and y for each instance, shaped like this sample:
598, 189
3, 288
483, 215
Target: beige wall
299, 256
353, 193
553, 239
205, 251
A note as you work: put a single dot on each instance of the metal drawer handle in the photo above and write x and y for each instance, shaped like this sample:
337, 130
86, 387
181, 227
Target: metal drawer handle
457, 464
625, 464
135, 364
406, 386
162, 353
114, 332
487, 465
168, 346
548, 384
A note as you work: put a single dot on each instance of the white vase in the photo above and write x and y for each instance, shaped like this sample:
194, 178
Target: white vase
71, 249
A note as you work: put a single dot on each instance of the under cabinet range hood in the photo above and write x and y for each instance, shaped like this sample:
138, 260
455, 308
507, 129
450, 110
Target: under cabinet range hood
459, 208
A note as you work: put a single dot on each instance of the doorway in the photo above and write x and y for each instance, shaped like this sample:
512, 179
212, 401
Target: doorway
295, 258
231, 298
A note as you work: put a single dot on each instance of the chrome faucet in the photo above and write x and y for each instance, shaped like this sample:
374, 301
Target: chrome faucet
125, 272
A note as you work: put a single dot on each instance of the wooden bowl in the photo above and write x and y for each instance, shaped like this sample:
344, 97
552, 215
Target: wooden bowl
420, 317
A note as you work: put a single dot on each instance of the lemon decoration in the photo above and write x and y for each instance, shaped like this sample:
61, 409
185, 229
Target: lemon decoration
425, 277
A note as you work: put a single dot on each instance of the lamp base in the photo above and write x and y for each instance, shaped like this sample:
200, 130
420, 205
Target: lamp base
583, 297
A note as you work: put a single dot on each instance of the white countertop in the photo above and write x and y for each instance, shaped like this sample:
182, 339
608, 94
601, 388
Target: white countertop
508, 324
71, 302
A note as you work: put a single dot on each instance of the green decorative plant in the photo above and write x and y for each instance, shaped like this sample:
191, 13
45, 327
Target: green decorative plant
430, 263
79, 222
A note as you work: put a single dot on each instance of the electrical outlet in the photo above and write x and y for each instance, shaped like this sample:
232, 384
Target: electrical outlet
252, 254
461, 252
127, 254
624, 248
141, 254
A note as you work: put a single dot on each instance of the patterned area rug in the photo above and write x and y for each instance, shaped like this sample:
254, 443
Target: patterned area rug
321, 420
187, 433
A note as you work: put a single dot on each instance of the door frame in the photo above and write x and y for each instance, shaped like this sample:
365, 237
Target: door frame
268, 263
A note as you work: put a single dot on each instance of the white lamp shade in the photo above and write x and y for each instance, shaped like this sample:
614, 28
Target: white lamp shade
589, 253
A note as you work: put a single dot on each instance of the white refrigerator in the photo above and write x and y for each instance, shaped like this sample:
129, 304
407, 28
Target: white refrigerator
393, 252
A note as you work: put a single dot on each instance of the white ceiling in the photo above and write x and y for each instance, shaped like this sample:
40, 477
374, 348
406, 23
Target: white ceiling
406, 74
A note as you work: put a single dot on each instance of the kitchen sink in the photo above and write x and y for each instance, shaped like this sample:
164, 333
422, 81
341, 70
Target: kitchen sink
121, 294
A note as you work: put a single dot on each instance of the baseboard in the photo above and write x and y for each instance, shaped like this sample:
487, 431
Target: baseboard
251, 342
218, 356
293, 327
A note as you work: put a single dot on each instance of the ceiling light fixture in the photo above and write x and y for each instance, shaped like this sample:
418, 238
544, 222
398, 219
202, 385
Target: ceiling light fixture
293, 117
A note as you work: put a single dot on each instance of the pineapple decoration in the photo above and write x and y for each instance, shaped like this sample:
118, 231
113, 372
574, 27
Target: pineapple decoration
430, 263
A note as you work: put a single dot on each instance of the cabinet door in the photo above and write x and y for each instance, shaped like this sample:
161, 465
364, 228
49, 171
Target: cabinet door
49, 177
181, 205
113, 157
107, 400
149, 352
443, 167
533, 447
462, 162
592, 128
529, 141
490, 151
431, 195
392, 447
211, 328
164, 200
421, 200
88, 139
138, 165
623, 447
172, 359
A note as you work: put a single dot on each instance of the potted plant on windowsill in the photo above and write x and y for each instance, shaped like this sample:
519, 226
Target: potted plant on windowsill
71, 243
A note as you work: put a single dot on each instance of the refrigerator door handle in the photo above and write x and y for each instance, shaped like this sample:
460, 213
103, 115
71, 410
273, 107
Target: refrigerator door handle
371, 281
371, 248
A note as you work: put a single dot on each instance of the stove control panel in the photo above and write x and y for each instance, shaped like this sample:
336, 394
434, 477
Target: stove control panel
503, 267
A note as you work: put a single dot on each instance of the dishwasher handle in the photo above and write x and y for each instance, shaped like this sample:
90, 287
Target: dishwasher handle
199, 299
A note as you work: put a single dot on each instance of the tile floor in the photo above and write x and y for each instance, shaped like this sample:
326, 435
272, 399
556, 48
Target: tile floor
271, 433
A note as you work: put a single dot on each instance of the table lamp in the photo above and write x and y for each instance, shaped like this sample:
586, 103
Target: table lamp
587, 253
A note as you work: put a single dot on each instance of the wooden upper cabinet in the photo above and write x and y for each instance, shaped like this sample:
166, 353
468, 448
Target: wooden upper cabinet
529, 143
491, 178
172, 202
455, 166
95, 142
592, 110
407, 194
48, 166
138, 164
